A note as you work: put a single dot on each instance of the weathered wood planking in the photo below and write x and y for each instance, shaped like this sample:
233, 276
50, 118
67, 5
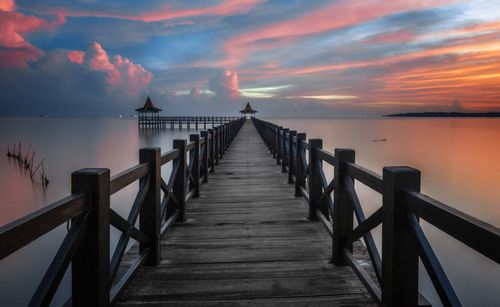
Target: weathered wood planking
247, 241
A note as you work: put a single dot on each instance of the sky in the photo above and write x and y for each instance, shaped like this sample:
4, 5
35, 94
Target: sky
296, 58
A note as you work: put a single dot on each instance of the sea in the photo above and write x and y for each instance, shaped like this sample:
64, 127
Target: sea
459, 159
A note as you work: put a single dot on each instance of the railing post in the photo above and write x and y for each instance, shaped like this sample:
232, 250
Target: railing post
204, 157
90, 264
299, 166
291, 157
343, 210
194, 155
273, 140
212, 150
315, 187
180, 181
217, 145
149, 220
399, 253
284, 160
278, 145
225, 126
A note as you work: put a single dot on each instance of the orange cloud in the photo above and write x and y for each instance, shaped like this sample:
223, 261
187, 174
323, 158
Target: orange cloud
225, 8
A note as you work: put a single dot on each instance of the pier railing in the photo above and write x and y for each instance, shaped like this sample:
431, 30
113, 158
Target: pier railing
96, 278
154, 120
403, 240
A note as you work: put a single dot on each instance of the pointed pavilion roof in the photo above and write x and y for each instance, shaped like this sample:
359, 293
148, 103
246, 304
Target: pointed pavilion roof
248, 109
148, 107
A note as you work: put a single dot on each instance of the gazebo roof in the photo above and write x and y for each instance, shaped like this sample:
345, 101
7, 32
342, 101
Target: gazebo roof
148, 107
248, 109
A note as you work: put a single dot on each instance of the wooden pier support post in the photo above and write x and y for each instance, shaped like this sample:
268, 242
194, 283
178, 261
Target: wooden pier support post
399, 252
284, 151
90, 264
149, 219
278, 145
204, 156
299, 166
194, 156
315, 186
343, 210
217, 145
180, 181
226, 137
291, 156
221, 142
211, 150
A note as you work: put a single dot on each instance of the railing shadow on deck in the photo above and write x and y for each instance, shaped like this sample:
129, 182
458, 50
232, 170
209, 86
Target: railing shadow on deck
403, 240
158, 204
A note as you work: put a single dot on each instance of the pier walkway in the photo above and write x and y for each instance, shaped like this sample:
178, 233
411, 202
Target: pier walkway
246, 241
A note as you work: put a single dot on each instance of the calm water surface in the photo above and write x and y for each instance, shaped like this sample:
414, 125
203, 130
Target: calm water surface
67, 145
460, 164
458, 158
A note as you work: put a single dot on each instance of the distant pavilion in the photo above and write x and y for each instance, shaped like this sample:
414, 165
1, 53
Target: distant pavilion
150, 109
248, 110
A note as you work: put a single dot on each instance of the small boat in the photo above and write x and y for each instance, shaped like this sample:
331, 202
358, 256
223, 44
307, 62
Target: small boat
379, 140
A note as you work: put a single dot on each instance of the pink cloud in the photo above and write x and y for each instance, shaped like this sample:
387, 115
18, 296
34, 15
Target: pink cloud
97, 59
76, 56
225, 8
16, 51
133, 75
225, 84
345, 13
7, 5
120, 72
391, 37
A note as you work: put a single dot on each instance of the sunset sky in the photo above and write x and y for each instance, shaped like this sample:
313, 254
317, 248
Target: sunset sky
288, 58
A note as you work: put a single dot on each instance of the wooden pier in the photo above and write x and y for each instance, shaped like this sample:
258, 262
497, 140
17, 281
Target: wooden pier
246, 216
155, 121
246, 241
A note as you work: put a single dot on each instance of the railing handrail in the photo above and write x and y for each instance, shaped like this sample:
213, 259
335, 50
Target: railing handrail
86, 244
400, 188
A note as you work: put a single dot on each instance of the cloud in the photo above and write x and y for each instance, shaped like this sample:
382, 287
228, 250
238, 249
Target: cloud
121, 72
225, 84
347, 13
15, 50
76, 56
224, 8
7, 5
74, 83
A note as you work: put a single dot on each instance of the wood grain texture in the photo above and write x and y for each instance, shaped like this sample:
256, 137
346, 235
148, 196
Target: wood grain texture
247, 241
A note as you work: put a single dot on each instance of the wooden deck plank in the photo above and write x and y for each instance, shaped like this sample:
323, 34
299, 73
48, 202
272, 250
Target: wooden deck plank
246, 242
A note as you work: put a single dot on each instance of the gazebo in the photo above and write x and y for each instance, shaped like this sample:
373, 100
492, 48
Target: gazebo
150, 109
248, 110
